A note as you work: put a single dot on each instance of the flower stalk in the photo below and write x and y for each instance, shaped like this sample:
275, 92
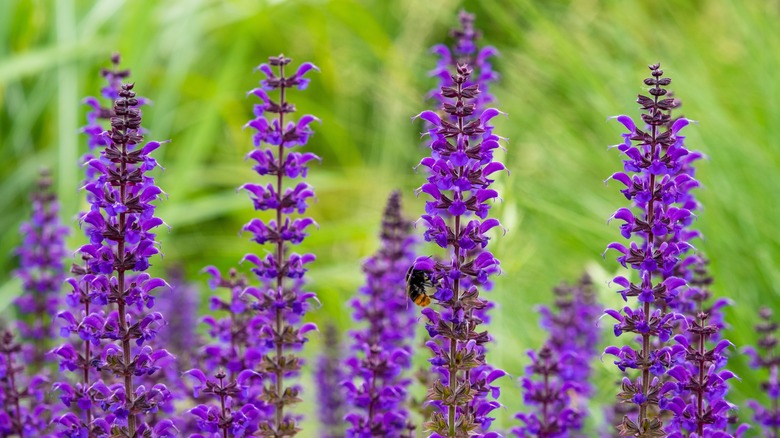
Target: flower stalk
120, 225
42, 273
86, 311
329, 376
23, 410
459, 177
654, 158
282, 302
764, 356
233, 352
556, 385
381, 353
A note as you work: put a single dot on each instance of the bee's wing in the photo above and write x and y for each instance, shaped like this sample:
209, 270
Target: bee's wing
406, 289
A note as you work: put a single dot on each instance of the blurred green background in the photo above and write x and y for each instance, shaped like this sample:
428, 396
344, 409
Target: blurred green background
565, 67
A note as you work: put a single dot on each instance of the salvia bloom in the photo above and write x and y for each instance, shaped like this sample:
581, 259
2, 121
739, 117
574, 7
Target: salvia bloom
329, 376
41, 270
460, 169
23, 410
697, 398
100, 114
80, 353
179, 304
227, 419
234, 347
465, 51
651, 176
766, 415
233, 353
120, 224
557, 382
381, 352
281, 301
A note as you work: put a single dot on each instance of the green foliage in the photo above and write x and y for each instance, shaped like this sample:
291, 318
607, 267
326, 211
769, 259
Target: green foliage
565, 65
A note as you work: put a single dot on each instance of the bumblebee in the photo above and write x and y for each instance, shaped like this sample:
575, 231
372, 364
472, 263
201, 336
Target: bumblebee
416, 282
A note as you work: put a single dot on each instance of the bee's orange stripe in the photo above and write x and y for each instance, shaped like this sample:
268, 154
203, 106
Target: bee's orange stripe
422, 300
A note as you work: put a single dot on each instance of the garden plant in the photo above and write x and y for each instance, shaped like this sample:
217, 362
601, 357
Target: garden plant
266, 318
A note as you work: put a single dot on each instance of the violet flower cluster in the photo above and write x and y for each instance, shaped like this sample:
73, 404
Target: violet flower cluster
227, 364
229, 419
233, 348
653, 158
465, 51
180, 304
41, 269
329, 377
763, 357
698, 398
460, 169
381, 352
557, 382
120, 225
281, 301
81, 300
23, 408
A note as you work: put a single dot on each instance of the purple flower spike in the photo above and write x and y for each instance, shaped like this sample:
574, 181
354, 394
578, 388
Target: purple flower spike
465, 51
654, 156
229, 419
697, 393
460, 196
329, 376
381, 353
234, 350
696, 382
87, 298
766, 415
23, 410
100, 114
179, 304
42, 273
281, 302
557, 381
120, 224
